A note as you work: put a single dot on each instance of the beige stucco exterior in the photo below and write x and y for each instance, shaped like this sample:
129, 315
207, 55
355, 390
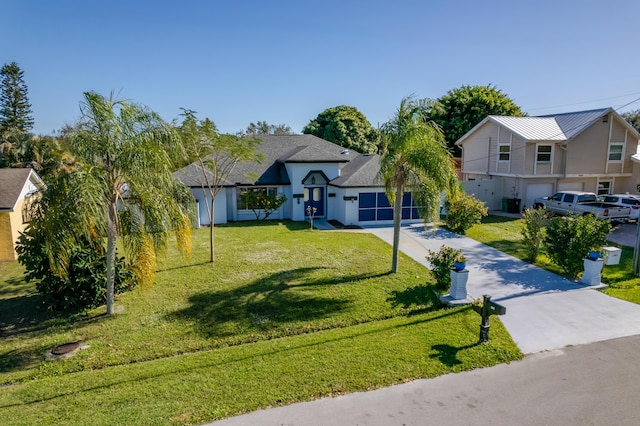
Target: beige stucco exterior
581, 162
11, 225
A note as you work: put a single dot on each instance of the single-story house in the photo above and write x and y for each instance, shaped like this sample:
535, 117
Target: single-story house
17, 187
339, 183
528, 157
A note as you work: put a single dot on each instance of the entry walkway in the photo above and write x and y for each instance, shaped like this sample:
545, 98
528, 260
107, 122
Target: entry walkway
544, 311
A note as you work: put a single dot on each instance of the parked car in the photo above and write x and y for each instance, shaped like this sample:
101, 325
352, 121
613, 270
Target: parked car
582, 203
624, 200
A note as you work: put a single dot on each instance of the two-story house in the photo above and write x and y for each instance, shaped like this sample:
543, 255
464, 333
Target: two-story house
530, 157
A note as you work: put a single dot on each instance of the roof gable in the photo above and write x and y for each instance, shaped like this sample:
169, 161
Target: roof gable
362, 171
573, 123
12, 185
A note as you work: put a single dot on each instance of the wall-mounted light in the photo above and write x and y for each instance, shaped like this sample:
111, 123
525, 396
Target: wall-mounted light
298, 196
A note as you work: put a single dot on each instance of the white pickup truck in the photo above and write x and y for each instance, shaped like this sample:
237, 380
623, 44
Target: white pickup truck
582, 203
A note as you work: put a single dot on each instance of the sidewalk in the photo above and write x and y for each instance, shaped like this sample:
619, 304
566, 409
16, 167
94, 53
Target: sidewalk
544, 311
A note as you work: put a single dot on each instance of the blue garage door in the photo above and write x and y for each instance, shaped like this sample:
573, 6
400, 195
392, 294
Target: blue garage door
375, 206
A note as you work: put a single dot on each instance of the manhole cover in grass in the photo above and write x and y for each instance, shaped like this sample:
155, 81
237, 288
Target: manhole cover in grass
66, 350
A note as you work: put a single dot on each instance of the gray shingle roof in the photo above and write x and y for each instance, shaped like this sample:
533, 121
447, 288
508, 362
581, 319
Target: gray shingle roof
362, 171
277, 150
11, 183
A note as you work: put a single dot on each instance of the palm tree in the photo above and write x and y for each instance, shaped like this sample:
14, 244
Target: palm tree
124, 185
415, 158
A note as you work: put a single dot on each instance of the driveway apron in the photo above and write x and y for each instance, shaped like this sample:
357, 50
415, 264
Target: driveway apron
544, 311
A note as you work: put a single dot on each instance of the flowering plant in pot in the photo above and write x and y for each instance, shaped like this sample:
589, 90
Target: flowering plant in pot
442, 262
460, 263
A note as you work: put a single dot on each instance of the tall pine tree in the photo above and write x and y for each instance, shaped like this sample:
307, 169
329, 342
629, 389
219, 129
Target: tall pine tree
15, 109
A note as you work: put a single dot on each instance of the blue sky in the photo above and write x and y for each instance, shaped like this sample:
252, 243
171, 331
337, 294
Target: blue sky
240, 61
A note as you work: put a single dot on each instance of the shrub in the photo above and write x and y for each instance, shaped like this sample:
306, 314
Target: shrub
463, 212
532, 231
569, 239
261, 202
441, 264
84, 284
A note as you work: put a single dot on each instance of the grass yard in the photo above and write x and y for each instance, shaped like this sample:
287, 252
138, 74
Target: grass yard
503, 233
284, 315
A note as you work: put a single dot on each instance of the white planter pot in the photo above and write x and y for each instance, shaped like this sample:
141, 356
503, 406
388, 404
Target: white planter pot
592, 270
459, 279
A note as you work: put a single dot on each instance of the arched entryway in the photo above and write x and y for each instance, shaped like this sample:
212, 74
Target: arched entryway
315, 189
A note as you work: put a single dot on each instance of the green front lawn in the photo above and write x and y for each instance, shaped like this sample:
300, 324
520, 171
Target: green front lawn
503, 233
284, 314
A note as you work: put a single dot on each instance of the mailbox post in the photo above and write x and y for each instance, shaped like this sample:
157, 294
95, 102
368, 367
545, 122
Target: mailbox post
487, 309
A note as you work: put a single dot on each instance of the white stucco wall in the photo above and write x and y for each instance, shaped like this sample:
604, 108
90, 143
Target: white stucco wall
204, 200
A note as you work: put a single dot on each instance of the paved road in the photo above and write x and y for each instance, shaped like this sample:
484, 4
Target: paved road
595, 384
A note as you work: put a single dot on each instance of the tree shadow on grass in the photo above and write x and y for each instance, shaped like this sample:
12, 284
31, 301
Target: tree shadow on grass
284, 302
419, 298
24, 315
448, 355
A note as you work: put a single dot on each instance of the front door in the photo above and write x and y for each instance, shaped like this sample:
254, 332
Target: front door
314, 199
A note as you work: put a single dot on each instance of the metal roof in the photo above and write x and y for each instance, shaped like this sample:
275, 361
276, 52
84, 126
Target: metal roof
556, 127
532, 128
572, 123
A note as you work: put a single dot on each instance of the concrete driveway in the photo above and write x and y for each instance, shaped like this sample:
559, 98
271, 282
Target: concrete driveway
544, 311
625, 234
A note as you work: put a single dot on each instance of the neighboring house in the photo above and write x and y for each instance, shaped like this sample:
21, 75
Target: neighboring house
530, 157
339, 183
17, 187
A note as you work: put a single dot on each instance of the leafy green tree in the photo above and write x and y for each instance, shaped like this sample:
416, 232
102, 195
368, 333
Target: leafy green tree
82, 286
633, 118
346, 126
569, 239
13, 144
415, 158
215, 156
264, 128
15, 109
462, 108
122, 186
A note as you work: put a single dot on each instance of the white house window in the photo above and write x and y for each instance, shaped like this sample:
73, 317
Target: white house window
266, 190
543, 153
615, 152
505, 152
